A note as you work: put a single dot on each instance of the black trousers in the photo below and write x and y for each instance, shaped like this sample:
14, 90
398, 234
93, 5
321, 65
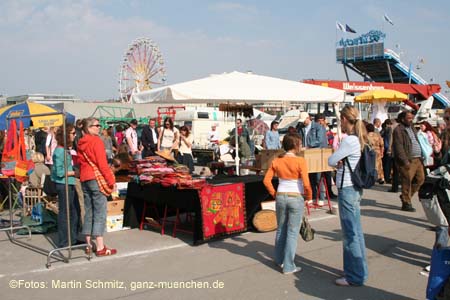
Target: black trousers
388, 161
148, 152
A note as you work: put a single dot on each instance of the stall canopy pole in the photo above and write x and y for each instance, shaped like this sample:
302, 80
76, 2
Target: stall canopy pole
55, 252
237, 159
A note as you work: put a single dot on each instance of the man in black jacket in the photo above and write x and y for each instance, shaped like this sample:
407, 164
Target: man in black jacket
149, 139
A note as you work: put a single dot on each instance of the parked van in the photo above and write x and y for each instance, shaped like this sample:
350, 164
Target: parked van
201, 120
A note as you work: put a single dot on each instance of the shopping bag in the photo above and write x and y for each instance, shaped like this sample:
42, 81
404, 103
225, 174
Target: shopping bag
306, 231
10, 151
439, 273
22, 165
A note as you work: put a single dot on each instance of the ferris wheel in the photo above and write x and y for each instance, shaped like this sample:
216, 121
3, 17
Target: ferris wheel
142, 68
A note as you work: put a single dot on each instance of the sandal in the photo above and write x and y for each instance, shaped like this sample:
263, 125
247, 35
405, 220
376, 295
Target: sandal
105, 251
93, 247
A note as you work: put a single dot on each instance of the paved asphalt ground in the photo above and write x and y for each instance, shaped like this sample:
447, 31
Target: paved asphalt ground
151, 266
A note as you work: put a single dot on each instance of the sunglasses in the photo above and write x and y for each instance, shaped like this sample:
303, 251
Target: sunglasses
447, 118
73, 133
98, 125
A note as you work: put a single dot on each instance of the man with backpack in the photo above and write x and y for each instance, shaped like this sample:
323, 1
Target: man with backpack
408, 157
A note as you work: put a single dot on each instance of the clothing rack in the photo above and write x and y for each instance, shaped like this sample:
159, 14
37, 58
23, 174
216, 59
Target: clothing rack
55, 252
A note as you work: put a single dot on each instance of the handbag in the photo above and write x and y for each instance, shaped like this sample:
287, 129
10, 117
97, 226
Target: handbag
102, 184
10, 151
49, 186
306, 231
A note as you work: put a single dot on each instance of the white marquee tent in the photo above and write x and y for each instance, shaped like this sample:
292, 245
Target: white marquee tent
240, 87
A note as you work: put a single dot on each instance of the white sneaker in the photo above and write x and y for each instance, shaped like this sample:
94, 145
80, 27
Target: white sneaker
342, 282
320, 202
297, 269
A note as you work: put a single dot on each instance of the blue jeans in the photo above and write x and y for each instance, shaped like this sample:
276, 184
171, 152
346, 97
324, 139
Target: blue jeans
355, 260
95, 209
289, 217
441, 237
63, 239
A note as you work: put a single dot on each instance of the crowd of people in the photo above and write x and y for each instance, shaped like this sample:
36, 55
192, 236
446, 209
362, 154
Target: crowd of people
404, 155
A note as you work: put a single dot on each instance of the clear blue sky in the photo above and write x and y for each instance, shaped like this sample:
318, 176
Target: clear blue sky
76, 47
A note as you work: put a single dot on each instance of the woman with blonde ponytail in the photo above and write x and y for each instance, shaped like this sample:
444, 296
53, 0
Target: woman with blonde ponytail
349, 197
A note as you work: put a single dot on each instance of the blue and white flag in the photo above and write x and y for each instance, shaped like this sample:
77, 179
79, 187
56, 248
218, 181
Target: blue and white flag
349, 29
340, 26
387, 19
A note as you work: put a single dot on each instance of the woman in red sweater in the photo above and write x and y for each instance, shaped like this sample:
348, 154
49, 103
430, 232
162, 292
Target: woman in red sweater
293, 183
94, 168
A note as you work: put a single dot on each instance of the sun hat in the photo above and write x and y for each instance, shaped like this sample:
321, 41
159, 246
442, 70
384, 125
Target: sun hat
165, 154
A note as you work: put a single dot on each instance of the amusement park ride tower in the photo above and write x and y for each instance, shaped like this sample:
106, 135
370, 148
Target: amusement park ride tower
367, 56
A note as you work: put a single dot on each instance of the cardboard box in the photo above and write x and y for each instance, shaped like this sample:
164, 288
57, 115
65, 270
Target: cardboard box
265, 158
313, 159
326, 153
115, 207
114, 223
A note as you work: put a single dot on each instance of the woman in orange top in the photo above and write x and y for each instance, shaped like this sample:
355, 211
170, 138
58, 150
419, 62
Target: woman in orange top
293, 182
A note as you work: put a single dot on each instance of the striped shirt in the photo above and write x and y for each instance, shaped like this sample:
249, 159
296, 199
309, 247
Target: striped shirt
350, 148
416, 151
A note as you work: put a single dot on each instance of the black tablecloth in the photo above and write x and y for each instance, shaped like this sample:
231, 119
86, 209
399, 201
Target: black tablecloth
188, 200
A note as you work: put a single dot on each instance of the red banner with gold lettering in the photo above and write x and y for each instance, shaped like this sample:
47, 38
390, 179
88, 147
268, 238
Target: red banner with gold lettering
223, 209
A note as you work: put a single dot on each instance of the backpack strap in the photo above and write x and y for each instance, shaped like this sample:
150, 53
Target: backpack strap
343, 170
348, 164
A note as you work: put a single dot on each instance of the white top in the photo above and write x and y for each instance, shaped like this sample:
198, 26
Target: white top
52, 143
153, 130
213, 136
168, 136
183, 148
131, 135
290, 185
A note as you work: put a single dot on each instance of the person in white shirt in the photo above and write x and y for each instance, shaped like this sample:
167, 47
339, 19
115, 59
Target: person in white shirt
213, 135
50, 145
168, 137
185, 148
132, 140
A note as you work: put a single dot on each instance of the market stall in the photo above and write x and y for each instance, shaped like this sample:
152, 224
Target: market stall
231, 90
202, 203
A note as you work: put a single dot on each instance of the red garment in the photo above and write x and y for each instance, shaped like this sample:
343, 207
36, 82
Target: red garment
239, 130
119, 137
93, 146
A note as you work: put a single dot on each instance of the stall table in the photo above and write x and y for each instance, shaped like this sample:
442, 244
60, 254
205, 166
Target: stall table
188, 200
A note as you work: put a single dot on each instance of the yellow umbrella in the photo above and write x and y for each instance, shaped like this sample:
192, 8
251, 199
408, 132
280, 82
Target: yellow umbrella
381, 95
27, 109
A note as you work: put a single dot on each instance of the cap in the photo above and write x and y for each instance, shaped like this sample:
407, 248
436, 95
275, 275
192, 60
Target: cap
303, 116
441, 122
134, 122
